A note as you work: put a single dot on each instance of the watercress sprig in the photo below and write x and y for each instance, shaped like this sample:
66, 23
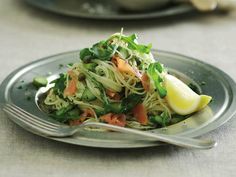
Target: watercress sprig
154, 72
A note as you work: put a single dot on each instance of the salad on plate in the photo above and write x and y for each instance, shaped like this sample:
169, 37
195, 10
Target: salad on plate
117, 81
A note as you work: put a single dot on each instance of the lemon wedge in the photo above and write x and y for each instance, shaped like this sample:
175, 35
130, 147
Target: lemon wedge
205, 99
181, 98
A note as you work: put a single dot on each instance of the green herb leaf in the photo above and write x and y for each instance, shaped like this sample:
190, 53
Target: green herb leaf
130, 102
87, 95
63, 110
102, 50
126, 105
154, 71
68, 113
131, 41
115, 107
86, 55
60, 83
156, 119
165, 118
162, 119
90, 66
19, 87
28, 98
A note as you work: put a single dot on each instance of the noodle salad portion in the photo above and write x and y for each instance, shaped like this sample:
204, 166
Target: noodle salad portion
117, 81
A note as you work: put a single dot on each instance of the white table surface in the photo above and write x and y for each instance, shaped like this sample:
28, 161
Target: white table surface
27, 34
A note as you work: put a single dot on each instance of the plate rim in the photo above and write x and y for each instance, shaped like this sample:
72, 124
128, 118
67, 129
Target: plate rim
212, 126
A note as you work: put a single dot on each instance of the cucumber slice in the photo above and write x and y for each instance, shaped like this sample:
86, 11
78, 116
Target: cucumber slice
40, 81
88, 96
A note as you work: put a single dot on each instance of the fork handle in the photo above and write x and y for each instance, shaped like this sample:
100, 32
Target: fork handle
170, 139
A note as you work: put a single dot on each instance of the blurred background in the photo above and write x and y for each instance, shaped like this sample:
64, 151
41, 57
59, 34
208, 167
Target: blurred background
44, 27
31, 29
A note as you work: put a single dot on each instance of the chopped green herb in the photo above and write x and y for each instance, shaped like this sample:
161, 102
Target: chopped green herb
126, 104
87, 95
19, 87
63, 110
162, 119
60, 83
130, 102
203, 83
28, 98
156, 119
115, 107
66, 113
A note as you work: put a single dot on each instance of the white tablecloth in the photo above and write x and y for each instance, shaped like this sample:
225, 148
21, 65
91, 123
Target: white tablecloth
27, 34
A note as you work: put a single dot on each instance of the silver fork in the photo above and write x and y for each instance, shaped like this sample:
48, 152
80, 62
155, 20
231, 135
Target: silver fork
55, 130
